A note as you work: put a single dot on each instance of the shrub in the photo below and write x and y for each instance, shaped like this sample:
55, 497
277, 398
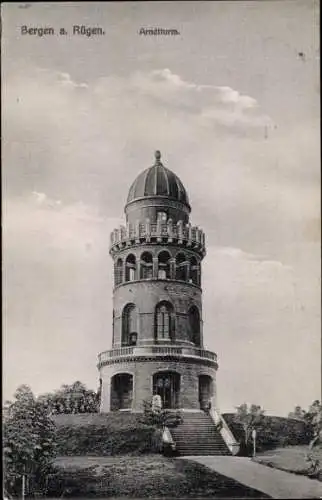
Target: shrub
112, 434
272, 433
161, 418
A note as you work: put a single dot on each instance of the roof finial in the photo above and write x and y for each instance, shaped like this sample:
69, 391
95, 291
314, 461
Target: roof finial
157, 155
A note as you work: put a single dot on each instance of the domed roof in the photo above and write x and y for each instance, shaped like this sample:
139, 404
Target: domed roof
158, 181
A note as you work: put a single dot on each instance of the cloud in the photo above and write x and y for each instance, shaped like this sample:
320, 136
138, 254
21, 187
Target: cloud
210, 104
42, 199
65, 80
237, 253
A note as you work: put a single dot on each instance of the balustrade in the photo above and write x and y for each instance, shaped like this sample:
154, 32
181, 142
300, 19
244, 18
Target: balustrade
166, 229
156, 350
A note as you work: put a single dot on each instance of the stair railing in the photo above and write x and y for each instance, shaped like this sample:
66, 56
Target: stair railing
167, 439
225, 432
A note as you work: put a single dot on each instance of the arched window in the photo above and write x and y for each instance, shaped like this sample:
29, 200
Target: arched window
121, 391
194, 325
206, 391
164, 321
167, 385
162, 216
118, 272
194, 271
164, 265
181, 267
146, 266
130, 267
129, 324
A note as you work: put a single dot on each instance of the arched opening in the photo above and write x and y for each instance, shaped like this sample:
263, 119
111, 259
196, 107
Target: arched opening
206, 391
121, 391
167, 385
194, 325
146, 266
194, 271
164, 321
181, 267
162, 216
130, 267
118, 272
129, 324
164, 265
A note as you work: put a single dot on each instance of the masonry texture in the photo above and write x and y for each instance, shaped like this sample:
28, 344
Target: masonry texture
157, 345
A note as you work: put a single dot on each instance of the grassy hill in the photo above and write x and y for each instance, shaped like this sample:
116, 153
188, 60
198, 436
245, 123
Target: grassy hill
274, 431
143, 476
105, 434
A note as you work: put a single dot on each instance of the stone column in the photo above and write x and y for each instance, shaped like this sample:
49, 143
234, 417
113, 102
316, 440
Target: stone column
138, 270
155, 267
180, 230
172, 268
188, 265
105, 405
148, 229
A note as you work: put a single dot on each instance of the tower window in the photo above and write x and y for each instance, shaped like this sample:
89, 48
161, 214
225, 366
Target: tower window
146, 266
130, 268
194, 325
129, 324
162, 216
194, 271
118, 272
181, 267
164, 316
164, 265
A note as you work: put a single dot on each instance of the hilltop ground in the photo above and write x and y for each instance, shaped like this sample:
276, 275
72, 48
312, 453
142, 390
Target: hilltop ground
290, 459
144, 476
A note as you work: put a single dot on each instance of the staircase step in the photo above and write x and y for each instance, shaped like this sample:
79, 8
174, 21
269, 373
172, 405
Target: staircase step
197, 435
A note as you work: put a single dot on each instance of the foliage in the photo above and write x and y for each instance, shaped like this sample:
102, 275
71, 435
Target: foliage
273, 432
160, 418
249, 418
299, 429
116, 433
150, 476
29, 440
313, 417
74, 398
298, 413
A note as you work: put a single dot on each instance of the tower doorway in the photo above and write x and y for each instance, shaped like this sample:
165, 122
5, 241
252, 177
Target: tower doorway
121, 391
167, 386
206, 391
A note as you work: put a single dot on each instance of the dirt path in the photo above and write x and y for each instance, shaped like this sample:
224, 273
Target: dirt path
273, 482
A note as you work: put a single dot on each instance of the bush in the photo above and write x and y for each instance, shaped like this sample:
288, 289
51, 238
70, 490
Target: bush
112, 434
160, 419
272, 433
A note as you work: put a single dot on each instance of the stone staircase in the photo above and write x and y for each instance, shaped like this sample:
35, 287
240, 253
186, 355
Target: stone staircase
197, 435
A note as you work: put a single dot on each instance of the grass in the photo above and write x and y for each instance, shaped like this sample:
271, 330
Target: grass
143, 477
105, 434
290, 459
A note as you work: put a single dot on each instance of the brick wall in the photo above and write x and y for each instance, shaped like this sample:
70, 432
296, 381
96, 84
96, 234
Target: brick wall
149, 207
143, 371
146, 295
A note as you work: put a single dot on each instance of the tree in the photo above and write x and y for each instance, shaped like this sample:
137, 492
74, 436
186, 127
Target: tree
298, 413
314, 419
249, 418
74, 398
160, 418
314, 416
29, 442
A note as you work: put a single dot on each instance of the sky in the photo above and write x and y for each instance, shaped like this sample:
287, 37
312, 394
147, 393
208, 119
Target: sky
233, 104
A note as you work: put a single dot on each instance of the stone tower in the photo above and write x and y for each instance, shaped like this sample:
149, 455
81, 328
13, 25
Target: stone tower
157, 345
